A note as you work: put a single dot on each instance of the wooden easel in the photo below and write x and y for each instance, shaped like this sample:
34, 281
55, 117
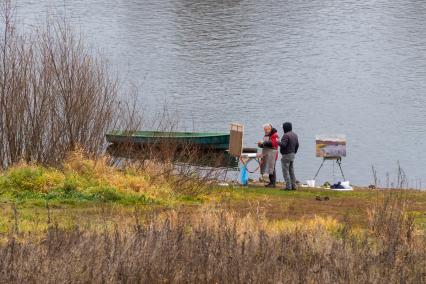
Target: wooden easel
236, 147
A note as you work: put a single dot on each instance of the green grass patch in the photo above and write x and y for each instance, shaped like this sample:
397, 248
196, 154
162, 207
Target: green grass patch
37, 185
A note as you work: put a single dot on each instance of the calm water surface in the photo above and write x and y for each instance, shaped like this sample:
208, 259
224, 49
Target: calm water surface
351, 67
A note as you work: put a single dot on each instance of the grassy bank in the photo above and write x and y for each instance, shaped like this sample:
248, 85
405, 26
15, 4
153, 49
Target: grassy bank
80, 181
91, 222
85, 192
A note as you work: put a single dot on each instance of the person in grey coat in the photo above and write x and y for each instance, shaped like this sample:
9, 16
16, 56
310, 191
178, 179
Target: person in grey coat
269, 147
289, 145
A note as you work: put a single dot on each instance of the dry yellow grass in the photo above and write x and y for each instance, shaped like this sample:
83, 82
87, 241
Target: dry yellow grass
219, 246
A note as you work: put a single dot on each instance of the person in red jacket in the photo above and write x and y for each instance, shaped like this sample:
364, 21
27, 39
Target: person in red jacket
269, 147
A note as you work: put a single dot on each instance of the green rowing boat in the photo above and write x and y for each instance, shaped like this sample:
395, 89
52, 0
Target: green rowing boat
210, 140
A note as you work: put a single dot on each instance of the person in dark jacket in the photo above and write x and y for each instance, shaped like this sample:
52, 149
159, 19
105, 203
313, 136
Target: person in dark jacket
269, 147
289, 145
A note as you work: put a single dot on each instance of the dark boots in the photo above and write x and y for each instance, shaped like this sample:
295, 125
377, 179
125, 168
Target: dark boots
290, 187
272, 180
286, 188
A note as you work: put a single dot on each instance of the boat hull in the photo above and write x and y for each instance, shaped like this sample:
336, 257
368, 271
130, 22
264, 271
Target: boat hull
218, 141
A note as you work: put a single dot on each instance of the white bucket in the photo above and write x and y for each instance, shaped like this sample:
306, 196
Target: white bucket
346, 184
311, 183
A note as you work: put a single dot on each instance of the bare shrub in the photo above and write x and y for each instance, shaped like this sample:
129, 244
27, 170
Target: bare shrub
55, 94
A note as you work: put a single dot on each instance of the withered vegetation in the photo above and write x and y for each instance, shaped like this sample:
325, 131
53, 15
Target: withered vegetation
223, 247
55, 93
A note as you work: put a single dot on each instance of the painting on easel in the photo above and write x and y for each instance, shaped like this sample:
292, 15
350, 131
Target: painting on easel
331, 146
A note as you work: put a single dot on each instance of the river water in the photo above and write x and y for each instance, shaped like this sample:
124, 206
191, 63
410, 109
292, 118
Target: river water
351, 67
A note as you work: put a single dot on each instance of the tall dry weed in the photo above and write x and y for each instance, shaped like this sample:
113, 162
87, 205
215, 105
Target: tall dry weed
216, 247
